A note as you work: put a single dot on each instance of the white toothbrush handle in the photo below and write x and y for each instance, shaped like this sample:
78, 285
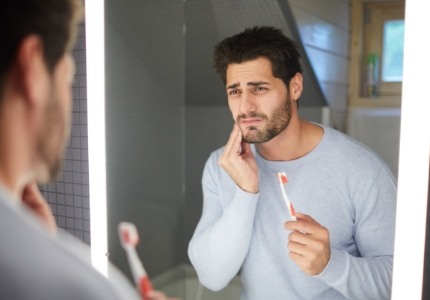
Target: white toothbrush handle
135, 264
287, 201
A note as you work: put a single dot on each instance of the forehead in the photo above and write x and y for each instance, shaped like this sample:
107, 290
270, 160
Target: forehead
252, 70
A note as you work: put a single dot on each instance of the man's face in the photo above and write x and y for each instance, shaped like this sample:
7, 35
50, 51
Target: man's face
259, 102
56, 125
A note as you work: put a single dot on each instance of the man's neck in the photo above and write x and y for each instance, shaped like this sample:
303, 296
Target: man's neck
295, 141
15, 151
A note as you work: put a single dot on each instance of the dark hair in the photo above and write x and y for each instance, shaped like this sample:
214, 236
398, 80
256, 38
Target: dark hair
256, 42
53, 20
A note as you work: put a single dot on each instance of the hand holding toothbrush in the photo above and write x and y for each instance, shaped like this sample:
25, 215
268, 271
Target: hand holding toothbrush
309, 244
129, 239
309, 241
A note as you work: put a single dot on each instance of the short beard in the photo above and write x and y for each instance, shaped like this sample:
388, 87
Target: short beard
49, 152
280, 120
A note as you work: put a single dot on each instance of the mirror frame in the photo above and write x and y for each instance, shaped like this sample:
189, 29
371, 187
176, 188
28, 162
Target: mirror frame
414, 152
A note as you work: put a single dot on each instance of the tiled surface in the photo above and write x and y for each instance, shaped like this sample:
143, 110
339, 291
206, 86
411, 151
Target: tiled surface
68, 196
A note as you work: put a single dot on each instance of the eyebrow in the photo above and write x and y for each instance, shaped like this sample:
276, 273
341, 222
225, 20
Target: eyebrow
256, 83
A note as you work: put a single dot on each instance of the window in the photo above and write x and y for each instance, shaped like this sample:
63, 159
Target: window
392, 51
383, 48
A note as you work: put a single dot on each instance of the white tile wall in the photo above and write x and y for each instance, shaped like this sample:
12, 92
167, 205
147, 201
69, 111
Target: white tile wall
68, 196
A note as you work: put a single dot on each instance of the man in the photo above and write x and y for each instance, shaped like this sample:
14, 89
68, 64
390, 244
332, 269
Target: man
341, 246
36, 71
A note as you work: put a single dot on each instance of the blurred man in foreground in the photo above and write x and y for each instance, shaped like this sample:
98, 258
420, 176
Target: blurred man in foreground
36, 72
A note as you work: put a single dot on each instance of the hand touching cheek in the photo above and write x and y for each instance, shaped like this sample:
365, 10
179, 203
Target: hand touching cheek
239, 162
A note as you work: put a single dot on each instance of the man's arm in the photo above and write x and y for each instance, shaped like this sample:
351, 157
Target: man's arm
223, 235
221, 240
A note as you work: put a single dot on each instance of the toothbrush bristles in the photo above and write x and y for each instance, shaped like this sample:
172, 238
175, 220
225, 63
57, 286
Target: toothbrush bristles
126, 236
282, 177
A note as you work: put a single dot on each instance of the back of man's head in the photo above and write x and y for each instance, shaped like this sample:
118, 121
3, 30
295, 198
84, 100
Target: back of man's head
54, 21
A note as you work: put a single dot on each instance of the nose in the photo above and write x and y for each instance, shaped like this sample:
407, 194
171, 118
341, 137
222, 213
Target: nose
247, 103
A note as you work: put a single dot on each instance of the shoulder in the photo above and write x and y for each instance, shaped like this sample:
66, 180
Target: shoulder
31, 255
355, 158
343, 145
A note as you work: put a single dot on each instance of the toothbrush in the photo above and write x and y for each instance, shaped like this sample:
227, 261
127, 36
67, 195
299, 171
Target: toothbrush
129, 239
282, 176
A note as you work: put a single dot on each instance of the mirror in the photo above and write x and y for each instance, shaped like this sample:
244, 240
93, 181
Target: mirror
145, 131
166, 111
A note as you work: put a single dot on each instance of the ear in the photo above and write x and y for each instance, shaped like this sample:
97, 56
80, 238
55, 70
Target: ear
296, 87
32, 75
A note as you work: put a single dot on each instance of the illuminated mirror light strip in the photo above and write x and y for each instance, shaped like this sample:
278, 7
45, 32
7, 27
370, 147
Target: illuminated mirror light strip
94, 15
413, 157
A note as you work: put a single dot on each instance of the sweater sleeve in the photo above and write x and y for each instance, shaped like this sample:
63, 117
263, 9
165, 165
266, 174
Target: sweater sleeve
222, 237
368, 276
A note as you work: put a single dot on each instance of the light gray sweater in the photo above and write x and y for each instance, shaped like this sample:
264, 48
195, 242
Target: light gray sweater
35, 265
342, 184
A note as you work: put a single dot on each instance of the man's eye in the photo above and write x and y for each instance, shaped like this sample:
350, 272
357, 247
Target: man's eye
259, 89
233, 92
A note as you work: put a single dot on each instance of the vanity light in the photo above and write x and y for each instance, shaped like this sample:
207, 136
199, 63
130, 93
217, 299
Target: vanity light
95, 47
413, 157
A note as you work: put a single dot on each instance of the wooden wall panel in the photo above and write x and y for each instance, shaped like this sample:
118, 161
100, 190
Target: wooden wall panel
319, 33
330, 10
324, 28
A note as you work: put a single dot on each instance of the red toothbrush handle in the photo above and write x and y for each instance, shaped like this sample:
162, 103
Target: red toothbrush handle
145, 287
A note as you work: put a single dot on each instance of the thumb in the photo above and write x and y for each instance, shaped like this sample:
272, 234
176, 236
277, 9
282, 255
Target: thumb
302, 216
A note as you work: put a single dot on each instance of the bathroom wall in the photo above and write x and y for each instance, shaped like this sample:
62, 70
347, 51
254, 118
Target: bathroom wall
324, 28
145, 129
379, 129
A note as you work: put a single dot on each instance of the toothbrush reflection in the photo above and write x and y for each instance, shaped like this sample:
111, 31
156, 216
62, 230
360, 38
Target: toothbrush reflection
129, 238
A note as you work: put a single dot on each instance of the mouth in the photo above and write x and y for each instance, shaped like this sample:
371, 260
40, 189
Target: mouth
250, 121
